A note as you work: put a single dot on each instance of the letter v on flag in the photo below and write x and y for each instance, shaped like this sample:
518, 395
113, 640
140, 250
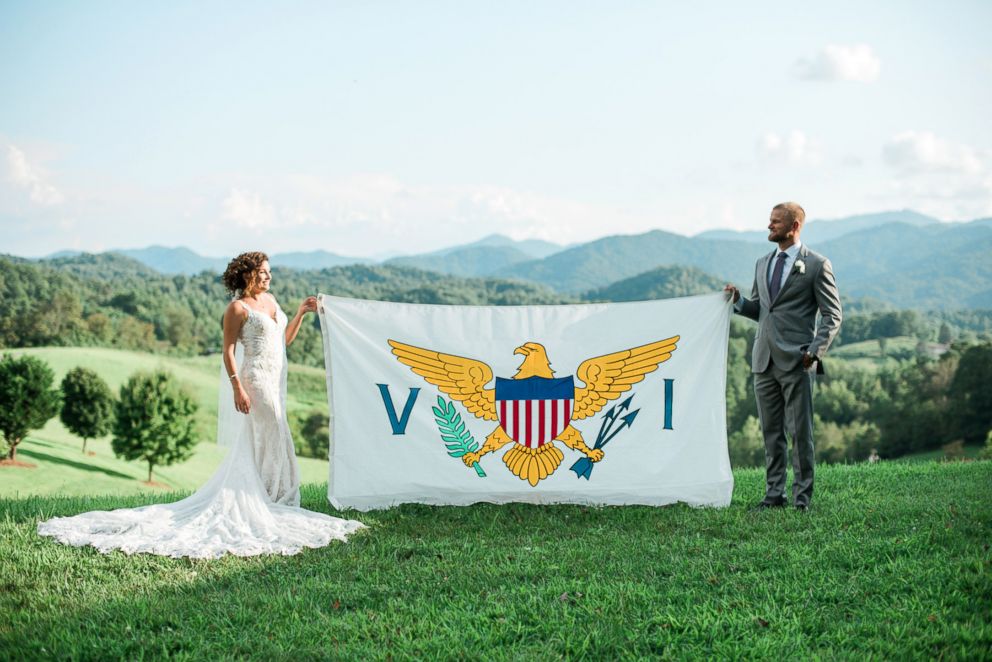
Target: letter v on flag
398, 424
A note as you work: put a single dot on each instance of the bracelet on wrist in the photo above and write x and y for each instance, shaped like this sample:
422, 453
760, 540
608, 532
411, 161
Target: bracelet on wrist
234, 376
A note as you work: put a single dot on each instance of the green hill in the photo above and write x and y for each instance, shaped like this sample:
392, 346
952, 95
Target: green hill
660, 283
924, 267
891, 563
62, 469
110, 300
937, 267
471, 261
615, 258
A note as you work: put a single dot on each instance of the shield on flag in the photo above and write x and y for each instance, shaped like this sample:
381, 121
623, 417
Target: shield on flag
535, 410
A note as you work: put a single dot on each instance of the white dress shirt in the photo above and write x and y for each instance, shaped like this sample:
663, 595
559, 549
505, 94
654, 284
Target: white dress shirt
791, 253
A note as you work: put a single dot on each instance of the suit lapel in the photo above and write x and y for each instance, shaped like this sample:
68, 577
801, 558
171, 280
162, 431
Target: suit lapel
763, 293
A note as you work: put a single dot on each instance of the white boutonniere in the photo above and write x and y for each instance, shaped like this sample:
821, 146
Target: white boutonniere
799, 267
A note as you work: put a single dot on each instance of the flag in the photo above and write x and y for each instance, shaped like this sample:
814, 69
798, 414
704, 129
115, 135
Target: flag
607, 403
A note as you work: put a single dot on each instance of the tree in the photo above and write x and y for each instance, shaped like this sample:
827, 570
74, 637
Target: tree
135, 334
27, 399
100, 328
837, 403
747, 445
154, 421
986, 452
87, 404
316, 435
944, 336
971, 396
913, 408
178, 326
844, 443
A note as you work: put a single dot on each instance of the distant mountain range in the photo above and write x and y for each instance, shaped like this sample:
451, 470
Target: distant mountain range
485, 257
932, 266
464, 260
903, 258
817, 232
181, 260
534, 248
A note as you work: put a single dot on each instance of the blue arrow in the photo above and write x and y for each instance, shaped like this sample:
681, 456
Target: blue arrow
628, 420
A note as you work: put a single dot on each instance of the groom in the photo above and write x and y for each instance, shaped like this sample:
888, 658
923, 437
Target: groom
791, 285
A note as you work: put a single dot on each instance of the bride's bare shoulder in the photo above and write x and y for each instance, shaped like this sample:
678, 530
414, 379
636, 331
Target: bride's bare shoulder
235, 309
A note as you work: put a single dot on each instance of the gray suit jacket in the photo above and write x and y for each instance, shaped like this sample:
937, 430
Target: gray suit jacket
787, 326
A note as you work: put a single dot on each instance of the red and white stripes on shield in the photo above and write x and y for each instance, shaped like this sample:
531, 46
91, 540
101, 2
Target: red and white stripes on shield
533, 423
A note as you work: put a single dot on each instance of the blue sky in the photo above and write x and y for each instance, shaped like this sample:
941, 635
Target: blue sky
368, 128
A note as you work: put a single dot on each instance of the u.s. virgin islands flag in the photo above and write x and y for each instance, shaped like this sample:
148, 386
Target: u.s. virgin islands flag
612, 403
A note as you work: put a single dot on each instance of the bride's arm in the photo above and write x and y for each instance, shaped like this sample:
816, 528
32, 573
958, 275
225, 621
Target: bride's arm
234, 317
309, 305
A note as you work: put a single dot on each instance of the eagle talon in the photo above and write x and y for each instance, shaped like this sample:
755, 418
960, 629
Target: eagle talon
470, 458
595, 454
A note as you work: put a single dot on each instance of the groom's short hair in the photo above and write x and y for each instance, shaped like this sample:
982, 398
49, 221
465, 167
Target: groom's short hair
795, 212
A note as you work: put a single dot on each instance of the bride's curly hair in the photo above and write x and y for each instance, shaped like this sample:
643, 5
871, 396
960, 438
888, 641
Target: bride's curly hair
242, 272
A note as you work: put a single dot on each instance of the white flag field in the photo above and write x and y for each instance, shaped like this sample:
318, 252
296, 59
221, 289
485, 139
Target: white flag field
607, 403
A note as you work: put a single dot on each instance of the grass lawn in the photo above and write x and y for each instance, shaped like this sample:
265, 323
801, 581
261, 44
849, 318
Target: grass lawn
892, 562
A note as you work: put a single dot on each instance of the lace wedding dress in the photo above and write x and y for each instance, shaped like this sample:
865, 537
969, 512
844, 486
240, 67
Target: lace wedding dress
250, 505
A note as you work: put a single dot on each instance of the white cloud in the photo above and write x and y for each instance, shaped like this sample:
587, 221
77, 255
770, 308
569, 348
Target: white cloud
837, 62
30, 178
247, 210
371, 213
944, 196
938, 177
922, 151
796, 148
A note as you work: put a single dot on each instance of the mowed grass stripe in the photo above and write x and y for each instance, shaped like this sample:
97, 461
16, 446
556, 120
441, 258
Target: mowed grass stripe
893, 561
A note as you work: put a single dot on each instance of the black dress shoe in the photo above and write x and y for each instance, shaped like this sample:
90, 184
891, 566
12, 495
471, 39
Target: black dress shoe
771, 503
802, 507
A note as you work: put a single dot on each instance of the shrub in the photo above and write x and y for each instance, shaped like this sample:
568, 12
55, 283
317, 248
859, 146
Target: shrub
953, 450
87, 404
154, 421
747, 445
315, 433
27, 399
986, 452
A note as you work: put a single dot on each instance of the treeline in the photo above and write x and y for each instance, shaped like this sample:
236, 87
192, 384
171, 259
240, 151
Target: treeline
917, 404
152, 420
113, 301
110, 300
939, 326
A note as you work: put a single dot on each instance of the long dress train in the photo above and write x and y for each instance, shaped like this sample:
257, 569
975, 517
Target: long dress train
250, 506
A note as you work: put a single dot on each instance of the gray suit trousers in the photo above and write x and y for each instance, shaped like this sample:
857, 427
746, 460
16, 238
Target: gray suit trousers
785, 407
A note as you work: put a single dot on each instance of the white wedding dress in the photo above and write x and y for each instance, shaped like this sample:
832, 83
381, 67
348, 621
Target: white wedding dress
250, 506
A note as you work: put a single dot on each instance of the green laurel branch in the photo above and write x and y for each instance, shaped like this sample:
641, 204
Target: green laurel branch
456, 437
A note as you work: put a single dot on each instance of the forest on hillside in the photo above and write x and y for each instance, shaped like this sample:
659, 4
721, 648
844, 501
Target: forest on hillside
926, 395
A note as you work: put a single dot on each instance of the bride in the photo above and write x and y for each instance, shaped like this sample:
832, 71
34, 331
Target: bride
251, 504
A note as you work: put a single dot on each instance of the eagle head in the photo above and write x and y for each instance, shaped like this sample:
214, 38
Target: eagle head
535, 362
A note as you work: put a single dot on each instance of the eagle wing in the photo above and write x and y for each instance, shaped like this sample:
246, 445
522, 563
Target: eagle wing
608, 377
462, 378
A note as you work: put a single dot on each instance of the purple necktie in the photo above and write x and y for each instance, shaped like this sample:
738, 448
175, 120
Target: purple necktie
776, 285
